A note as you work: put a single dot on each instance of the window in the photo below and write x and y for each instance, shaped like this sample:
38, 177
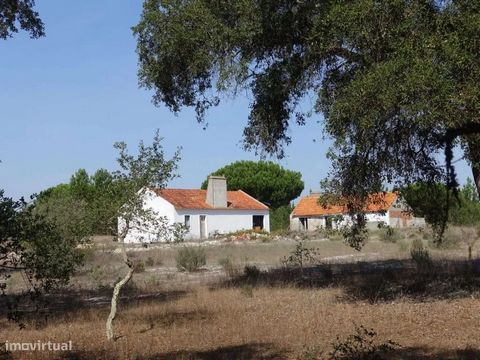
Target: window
187, 221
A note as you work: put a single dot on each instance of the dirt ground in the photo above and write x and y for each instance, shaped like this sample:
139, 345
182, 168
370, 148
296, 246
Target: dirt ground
272, 312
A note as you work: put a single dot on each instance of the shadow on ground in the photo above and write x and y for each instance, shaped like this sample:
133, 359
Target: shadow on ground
253, 351
374, 281
263, 351
431, 354
43, 309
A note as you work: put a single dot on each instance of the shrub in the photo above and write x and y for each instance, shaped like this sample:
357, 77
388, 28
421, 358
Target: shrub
362, 345
190, 258
139, 266
251, 273
300, 256
389, 234
97, 273
150, 261
229, 266
420, 255
179, 231
311, 353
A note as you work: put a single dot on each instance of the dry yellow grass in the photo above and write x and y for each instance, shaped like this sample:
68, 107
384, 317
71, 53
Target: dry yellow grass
273, 323
193, 316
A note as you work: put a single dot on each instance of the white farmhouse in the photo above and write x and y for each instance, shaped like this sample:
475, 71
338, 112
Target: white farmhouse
387, 208
204, 212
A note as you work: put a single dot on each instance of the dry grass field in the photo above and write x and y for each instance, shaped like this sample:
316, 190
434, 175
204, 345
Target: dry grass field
270, 312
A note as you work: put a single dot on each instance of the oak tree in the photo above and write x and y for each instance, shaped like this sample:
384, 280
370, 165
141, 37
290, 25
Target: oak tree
397, 81
15, 14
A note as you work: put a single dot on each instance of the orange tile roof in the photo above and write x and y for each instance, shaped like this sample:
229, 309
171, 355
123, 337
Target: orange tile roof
196, 199
309, 206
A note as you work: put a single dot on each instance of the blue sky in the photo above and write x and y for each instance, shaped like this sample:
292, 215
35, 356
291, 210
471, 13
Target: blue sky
67, 97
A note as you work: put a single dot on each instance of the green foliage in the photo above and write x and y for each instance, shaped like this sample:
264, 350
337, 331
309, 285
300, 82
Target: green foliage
264, 180
31, 244
92, 204
280, 218
190, 258
301, 256
397, 82
69, 213
179, 231
84, 205
363, 345
19, 12
420, 255
389, 234
434, 201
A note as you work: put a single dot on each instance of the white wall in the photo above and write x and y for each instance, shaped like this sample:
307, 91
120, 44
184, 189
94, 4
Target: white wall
221, 221
148, 232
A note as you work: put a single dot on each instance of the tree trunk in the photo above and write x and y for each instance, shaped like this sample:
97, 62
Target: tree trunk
116, 293
476, 176
473, 155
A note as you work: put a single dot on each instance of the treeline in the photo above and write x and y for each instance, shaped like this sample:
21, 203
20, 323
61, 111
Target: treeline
82, 206
435, 202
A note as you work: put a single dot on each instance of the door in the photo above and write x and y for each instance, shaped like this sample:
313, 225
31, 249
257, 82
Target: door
203, 226
304, 223
257, 222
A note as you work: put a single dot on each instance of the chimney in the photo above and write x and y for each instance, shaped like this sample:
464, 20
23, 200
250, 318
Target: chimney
217, 191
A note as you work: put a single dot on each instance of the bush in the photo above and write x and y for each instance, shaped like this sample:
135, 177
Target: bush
190, 258
97, 273
420, 255
179, 231
389, 234
251, 273
229, 266
362, 345
311, 353
301, 256
139, 266
150, 261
